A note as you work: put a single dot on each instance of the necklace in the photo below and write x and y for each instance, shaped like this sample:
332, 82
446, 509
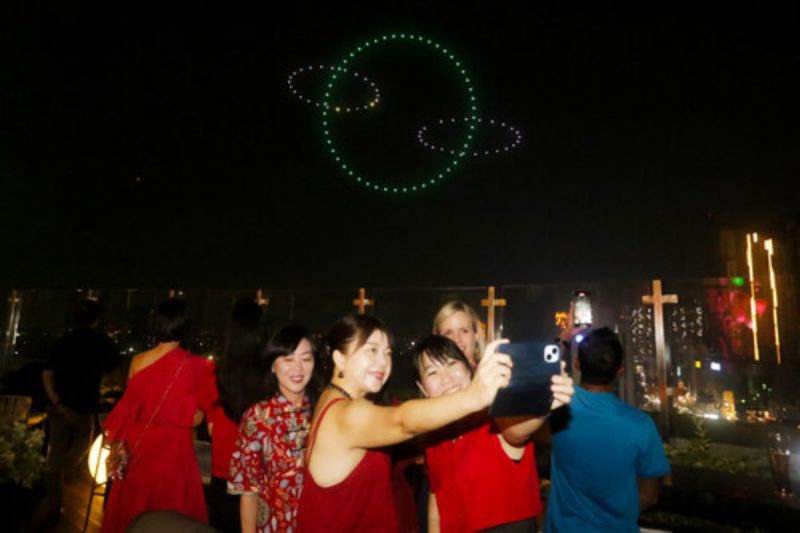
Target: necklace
340, 389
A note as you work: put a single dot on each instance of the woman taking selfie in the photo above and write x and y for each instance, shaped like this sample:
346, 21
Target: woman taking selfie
478, 480
347, 486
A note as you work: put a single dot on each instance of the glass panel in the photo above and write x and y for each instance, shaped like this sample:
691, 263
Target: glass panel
539, 312
712, 370
409, 313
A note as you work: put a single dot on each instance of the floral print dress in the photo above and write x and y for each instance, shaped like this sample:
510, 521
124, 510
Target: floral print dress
268, 460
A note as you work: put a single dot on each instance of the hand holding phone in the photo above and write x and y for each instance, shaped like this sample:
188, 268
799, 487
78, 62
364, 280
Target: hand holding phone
563, 388
493, 373
529, 390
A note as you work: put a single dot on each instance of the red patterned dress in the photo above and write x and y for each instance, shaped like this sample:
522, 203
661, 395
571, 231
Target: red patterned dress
268, 460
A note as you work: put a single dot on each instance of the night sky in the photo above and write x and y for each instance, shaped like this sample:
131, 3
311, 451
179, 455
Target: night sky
155, 148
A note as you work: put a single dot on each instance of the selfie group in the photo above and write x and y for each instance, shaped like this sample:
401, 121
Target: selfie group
303, 438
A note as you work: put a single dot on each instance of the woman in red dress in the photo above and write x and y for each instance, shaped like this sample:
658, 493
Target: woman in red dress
267, 463
478, 479
163, 473
347, 485
232, 387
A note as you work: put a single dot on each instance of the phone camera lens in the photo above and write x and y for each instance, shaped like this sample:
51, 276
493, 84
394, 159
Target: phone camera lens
551, 353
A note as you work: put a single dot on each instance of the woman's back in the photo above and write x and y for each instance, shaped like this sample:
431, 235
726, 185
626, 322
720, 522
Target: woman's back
178, 370
163, 473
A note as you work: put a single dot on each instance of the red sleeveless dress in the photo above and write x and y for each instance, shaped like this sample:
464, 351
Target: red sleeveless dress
163, 473
361, 502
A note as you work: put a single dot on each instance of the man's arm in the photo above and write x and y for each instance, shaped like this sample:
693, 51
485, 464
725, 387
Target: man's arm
651, 466
52, 395
50, 387
648, 492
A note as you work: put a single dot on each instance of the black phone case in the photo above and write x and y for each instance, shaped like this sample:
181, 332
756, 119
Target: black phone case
528, 393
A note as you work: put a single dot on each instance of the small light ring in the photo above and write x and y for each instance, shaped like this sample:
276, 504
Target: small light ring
371, 104
515, 136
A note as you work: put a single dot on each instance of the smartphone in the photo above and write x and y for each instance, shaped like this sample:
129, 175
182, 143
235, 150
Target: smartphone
528, 393
582, 309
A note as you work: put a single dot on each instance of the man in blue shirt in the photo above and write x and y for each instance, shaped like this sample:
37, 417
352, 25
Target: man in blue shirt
608, 459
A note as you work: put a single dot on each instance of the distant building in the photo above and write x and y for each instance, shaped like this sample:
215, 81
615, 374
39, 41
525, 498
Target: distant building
782, 227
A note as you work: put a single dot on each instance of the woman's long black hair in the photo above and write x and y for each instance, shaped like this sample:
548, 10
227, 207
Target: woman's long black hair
240, 376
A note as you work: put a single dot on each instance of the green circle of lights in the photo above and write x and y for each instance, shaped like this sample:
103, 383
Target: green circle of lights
463, 144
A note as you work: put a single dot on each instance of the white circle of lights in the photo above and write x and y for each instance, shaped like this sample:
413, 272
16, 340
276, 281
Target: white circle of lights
516, 136
372, 103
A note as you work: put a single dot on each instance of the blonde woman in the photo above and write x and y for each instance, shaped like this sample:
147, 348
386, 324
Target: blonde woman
460, 323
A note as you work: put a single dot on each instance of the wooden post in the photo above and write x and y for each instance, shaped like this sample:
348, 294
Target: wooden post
129, 298
12, 328
362, 301
260, 300
657, 300
490, 302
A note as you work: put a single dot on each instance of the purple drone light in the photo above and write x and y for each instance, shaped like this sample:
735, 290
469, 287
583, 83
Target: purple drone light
515, 136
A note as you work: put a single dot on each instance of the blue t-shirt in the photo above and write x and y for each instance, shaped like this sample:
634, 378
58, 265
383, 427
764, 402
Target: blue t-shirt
600, 446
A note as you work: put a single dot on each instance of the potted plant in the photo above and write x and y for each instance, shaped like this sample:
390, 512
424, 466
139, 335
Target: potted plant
22, 464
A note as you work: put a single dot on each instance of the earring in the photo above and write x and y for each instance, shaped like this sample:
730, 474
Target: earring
340, 374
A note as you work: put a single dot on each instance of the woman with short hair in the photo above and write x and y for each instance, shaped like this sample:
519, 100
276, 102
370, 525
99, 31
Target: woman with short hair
478, 480
266, 467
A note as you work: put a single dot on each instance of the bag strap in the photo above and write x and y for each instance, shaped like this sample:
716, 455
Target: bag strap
161, 402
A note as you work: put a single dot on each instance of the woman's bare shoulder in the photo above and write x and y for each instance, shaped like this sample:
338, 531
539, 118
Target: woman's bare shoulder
141, 360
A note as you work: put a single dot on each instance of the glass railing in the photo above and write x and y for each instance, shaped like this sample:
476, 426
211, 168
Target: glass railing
710, 366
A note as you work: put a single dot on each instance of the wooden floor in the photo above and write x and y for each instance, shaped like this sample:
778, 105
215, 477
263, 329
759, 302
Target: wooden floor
76, 499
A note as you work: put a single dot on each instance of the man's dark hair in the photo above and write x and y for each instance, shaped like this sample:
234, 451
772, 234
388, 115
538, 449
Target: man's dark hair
87, 313
600, 356
170, 320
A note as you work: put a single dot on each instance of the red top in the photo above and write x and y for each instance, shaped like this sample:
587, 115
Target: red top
223, 432
268, 460
163, 473
477, 485
361, 502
